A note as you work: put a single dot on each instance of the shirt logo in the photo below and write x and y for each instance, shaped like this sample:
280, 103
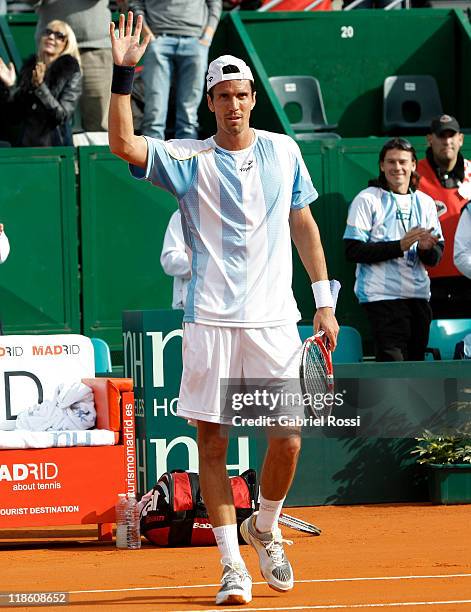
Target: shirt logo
405, 216
246, 166
441, 207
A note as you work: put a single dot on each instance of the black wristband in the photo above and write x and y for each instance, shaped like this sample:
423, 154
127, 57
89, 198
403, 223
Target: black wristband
123, 77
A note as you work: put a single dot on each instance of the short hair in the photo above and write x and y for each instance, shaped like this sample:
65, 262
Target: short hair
252, 89
401, 144
71, 46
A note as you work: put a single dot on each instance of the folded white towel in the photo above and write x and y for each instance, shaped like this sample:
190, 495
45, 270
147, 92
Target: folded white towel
72, 407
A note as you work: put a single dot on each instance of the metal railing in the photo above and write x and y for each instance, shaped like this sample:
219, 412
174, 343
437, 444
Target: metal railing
311, 5
273, 3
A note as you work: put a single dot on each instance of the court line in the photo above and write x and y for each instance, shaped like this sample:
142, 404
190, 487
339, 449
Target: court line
314, 580
339, 606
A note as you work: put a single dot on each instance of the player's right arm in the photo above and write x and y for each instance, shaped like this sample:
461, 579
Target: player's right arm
127, 51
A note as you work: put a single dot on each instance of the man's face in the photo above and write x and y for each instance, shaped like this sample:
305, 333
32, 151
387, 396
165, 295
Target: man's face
398, 166
446, 146
232, 104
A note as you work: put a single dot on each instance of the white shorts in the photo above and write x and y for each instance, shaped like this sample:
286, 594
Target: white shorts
212, 354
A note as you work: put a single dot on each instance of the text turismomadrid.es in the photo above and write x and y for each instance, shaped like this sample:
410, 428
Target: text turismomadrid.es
298, 421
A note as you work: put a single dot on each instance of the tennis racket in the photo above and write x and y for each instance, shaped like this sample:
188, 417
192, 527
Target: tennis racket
316, 374
296, 523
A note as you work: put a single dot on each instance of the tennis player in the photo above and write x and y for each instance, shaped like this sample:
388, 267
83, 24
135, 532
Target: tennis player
243, 194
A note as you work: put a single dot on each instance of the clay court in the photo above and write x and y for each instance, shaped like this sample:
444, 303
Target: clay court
368, 557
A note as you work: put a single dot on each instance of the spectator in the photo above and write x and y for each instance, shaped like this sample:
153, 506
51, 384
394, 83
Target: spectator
48, 88
174, 260
392, 231
462, 248
181, 34
88, 19
4, 252
446, 177
4, 245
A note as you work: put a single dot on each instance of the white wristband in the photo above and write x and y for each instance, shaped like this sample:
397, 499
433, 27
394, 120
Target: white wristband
322, 294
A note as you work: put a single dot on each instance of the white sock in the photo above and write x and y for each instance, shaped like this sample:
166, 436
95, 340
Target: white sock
228, 544
268, 514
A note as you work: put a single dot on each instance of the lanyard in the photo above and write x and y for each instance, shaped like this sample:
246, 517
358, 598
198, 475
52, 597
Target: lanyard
399, 211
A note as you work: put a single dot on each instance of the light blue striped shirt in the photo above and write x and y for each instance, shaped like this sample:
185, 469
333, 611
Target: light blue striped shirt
375, 216
235, 209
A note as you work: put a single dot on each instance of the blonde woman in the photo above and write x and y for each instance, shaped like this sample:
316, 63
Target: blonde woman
45, 95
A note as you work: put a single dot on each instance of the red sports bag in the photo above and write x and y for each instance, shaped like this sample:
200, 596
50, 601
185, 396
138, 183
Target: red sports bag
173, 512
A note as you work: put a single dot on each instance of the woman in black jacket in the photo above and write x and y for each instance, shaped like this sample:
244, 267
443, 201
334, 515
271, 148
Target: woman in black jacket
45, 96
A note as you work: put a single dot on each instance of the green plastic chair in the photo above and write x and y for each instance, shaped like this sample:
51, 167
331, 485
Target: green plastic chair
443, 337
349, 345
102, 356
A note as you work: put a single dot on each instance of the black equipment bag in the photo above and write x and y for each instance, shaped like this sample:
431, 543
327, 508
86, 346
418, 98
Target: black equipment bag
173, 512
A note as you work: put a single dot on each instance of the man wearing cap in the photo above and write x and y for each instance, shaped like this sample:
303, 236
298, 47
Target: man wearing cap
446, 177
181, 33
243, 194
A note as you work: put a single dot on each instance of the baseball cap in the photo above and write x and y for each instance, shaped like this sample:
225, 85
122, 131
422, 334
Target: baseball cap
227, 68
444, 123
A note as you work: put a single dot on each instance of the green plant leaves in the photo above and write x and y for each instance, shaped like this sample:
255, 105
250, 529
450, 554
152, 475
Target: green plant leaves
442, 449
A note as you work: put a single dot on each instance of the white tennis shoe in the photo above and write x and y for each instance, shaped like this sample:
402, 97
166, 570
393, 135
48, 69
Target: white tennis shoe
236, 586
274, 565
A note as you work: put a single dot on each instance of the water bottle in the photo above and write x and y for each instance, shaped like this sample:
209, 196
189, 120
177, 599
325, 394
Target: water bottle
127, 522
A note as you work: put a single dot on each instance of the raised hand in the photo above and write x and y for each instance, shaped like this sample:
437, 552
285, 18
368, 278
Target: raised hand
127, 51
7, 73
39, 71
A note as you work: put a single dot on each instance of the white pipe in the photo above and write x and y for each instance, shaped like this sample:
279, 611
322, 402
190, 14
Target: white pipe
312, 5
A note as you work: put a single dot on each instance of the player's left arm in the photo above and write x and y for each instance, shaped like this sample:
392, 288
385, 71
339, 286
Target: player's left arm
306, 237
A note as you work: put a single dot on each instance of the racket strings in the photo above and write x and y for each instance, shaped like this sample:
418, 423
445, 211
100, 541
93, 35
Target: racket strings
315, 370
315, 380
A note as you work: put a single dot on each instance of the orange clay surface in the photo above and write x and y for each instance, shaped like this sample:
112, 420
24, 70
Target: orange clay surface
384, 557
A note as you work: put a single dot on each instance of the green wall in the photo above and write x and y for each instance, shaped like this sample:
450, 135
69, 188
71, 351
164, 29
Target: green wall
123, 222
39, 282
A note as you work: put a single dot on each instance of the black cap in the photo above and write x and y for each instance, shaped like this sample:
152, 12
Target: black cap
444, 123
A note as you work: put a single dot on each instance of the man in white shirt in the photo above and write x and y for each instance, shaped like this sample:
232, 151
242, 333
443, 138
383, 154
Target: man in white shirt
243, 194
4, 245
462, 248
4, 252
392, 233
174, 260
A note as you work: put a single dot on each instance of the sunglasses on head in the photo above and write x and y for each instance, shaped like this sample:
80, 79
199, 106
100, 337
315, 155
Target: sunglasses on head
57, 35
403, 143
